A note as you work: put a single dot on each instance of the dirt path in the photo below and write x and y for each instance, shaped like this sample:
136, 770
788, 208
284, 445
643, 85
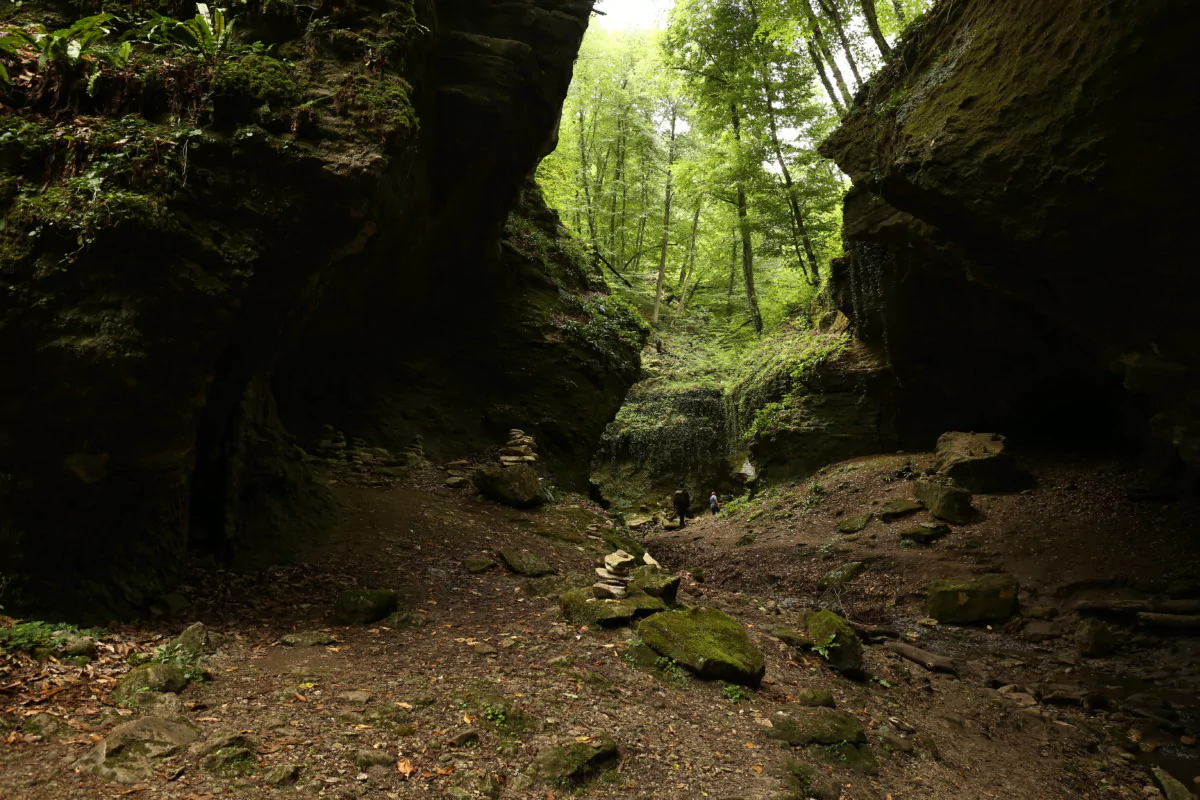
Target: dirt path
459, 696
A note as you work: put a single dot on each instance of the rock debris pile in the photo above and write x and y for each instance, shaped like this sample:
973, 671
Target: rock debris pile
521, 448
357, 462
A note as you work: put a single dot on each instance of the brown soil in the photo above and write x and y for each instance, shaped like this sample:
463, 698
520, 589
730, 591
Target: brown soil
495, 660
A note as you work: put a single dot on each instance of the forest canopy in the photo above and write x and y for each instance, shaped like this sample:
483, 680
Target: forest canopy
687, 159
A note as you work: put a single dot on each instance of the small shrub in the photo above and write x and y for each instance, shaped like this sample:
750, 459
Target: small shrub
733, 692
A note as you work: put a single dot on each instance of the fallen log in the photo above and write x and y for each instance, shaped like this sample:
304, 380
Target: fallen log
1174, 622
927, 660
873, 632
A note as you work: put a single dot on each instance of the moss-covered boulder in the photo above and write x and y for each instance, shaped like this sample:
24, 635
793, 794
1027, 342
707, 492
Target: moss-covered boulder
476, 566
151, 678
835, 641
656, 583
579, 605
230, 754
854, 757
364, 606
841, 576
517, 486
947, 502
194, 639
855, 524
711, 644
573, 764
524, 562
819, 725
903, 507
815, 698
967, 600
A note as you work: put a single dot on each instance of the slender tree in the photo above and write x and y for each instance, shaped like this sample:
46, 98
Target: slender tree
868, 7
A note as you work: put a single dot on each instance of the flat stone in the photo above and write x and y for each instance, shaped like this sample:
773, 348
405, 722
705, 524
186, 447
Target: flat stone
367, 757
555, 585
711, 644
620, 562
355, 697
855, 524
793, 637
283, 775
651, 581
476, 566
456, 482
307, 639
609, 591
895, 509
968, 600
1040, 630
1172, 788
524, 562
130, 752
78, 647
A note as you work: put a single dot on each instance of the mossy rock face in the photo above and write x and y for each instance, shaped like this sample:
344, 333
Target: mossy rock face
151, 678
579, 605
842, 648
841, 576
855, 524
947, 502
524, 562
573, 764
711, 644
825, 726
555, 585
895, 509
967, 600
364, 606
656, 583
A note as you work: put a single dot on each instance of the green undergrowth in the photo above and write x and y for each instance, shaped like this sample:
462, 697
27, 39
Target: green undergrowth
174, 655
33, 636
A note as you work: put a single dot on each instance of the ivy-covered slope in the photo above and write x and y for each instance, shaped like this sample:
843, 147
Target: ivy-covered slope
1023, 172
198, 233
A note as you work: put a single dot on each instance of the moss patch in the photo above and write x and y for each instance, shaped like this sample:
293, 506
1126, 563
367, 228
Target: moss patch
835, 641
579, 605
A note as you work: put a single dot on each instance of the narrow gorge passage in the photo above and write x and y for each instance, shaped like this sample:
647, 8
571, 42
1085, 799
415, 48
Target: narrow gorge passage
354, 355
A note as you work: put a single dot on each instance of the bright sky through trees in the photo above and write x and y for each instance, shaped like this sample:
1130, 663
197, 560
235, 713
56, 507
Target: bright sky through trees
622, 14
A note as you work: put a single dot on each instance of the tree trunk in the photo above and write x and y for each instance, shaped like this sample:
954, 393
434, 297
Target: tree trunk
815, 55
744, 226
835, 17
823, 47
732, 273
899, 12
585, 182
666, 240
799, 229
868, 7
691, 259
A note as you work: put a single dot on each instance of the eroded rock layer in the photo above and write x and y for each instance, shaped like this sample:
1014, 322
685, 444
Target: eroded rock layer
1023, 177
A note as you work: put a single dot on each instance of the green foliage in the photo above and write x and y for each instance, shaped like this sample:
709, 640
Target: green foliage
208, 34
824, 647
734, 693
186, 660
34, 635
497, 715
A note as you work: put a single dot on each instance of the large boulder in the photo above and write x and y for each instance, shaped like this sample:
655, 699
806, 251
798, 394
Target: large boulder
947, 502
1094, 639
978, 462
967, 600
517, 486
151, 678
364, 606
816, 725
574, 763
711, 644
130, 753
835, 641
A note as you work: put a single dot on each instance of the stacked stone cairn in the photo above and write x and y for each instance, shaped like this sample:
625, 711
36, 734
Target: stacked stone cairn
521, 448
616, 575
357, 462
